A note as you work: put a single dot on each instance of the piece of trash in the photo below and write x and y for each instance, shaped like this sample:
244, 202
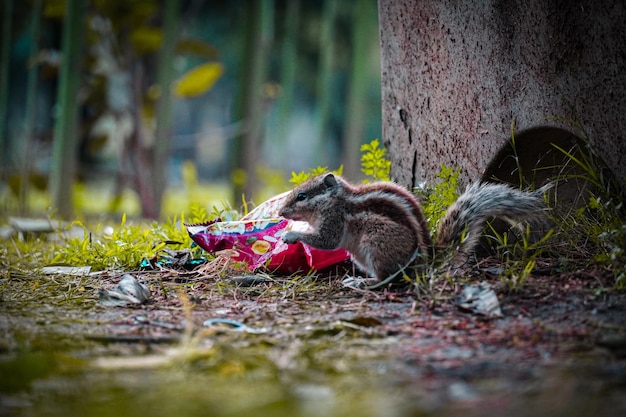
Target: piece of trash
128, 291
233, 326
479, 299
29, 225
170, 258
256, 240
65, 270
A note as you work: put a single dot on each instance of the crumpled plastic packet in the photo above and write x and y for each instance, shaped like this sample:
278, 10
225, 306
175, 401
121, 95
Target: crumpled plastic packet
480, 299
128, 291
255, 240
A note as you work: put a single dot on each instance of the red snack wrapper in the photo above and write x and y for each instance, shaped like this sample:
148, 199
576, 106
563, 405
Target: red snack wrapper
255, 240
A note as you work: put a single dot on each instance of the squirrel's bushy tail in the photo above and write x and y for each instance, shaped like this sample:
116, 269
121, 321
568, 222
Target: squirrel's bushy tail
463, 222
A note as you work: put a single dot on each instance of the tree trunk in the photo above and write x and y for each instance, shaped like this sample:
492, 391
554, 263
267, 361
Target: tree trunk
165, 76
259, 27
325, 77
31, 107
140, 148
455, 73
288, 60
65, 127
365, 19
7, 20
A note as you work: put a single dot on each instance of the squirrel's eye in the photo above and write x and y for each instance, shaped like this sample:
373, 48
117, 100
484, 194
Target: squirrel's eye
301, 197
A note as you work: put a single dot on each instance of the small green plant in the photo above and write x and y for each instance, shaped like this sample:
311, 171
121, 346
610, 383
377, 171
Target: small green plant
298, 178
374, 164
614, 253
596, 230
519, 256
196, 214
603, 226
442, 195
520, 173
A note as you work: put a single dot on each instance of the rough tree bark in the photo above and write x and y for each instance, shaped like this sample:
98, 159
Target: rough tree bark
456, 73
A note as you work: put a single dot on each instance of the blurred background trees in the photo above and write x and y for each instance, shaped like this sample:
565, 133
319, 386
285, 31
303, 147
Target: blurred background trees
146, 105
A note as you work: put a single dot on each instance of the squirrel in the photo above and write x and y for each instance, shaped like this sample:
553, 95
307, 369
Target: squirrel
382, 225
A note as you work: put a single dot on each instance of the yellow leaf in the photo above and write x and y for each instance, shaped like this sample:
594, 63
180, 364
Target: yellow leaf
198, 80
146, 39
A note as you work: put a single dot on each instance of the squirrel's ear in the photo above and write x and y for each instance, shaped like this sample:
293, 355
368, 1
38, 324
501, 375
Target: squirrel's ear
330, 181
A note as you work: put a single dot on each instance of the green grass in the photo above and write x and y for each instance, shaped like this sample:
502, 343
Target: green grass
592, 235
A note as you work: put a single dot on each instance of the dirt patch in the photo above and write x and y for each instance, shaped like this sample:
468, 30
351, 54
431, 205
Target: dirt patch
309, 346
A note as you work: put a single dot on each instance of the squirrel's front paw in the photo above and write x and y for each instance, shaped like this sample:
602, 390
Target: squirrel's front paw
290, 237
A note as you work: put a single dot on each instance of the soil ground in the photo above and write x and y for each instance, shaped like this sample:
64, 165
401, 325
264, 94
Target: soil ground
309, 346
